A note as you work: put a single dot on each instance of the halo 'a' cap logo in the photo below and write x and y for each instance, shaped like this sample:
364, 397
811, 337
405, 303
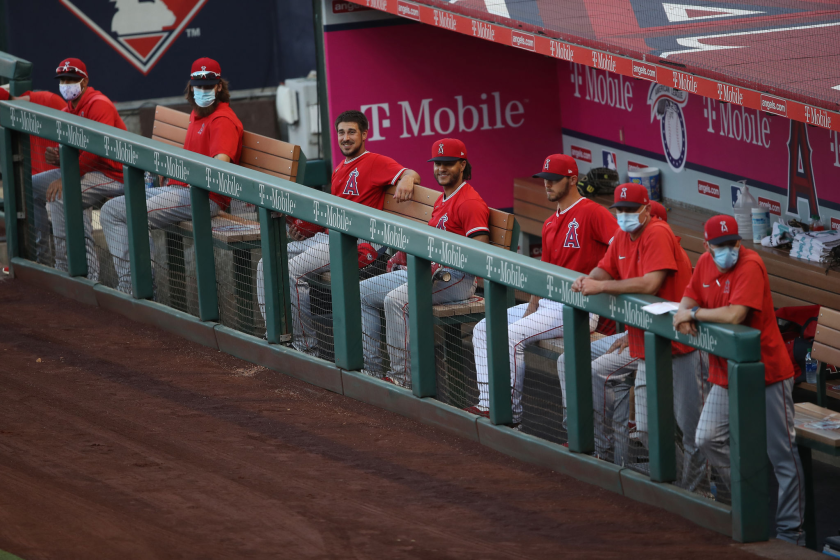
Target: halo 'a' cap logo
547, 163
723, 226
141, 31
624, 192
440, 149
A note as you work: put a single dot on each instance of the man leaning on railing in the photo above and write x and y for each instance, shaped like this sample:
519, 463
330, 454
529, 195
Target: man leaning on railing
646, 258
101, 177
214, 131
730, 285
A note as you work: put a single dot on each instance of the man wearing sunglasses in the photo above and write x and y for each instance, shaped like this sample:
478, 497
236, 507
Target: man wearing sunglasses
101, 178
214, 131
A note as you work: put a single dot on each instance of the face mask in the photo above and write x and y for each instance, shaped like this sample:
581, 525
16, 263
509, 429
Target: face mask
204, 97
628, 222
725, 257
70, 91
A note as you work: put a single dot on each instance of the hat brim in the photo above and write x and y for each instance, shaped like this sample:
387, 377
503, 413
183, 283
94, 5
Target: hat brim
627, 204
448, 159
69, 75
549, 176
204, 82
724, 239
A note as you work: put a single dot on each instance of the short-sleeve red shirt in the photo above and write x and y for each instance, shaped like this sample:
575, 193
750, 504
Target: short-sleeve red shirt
578, 237
745, 284
95, 106
365, 178
464, 212
38, 146
655, 249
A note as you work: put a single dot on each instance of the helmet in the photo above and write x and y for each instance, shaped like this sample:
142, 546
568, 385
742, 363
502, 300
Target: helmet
599, 180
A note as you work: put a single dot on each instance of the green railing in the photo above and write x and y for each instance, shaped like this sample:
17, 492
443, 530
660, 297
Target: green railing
348, 221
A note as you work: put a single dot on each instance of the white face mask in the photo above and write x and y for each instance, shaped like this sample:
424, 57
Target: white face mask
70, 91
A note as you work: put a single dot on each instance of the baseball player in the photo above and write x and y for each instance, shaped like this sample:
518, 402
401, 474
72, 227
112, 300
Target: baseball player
101, 178
611, 383
460, 210
576, 237
38, 145
646, 258
730, 285
362, 177
214, 131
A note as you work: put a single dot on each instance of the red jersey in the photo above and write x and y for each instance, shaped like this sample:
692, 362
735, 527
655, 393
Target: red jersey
220, 132
95, 106
365, 178
745, 284
578, 237
464, 212
38, 146
655, 249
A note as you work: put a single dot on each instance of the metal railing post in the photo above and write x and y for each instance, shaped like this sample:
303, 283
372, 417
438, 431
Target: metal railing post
577, 354
660, 408
205, 260
138, 232
421, 327
498, 357
74, 223
10, 193
278, 310
346, 301
748, 452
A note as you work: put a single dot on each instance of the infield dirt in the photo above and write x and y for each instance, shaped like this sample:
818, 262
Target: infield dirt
118, 440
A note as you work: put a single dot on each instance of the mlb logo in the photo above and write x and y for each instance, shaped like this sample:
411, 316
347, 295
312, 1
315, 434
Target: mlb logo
610, 160
736, 194
140, 30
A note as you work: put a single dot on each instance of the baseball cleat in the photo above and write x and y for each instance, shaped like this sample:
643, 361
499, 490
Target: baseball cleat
478, 411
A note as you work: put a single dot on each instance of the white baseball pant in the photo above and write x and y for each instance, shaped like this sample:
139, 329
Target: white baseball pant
713, 440
545, 323
390, 291
164, 206
610, 397
96, 187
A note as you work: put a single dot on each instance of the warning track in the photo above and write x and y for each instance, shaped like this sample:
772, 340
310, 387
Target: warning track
118, 440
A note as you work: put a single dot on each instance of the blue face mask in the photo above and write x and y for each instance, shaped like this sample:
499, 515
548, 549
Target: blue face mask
204, 97
628, 222
725, 257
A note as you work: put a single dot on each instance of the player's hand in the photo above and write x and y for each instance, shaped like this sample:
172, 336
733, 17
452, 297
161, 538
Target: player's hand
52, 157
295, 234
405, 188
619, 345
683, 322
577, 285
591, 287
398, 262
533, 305
54, 191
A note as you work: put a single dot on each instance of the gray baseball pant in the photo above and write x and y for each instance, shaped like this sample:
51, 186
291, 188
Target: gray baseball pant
713, 440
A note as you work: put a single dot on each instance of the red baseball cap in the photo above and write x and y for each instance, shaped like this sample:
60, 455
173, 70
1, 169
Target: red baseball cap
720, 229
205, 72
658, 211
448, 149
630, 195
71, 68
556, 167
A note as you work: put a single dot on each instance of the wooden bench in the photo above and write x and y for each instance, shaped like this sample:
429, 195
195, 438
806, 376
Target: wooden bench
811, 437
793, 281
240, 236
826, 350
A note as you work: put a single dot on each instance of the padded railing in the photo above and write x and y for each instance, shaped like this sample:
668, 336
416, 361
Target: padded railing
348, 221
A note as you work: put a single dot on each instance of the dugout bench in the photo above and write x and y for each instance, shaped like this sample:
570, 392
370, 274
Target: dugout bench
236, 236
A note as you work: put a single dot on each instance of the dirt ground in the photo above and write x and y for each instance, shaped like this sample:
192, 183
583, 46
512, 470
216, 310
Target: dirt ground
118, 440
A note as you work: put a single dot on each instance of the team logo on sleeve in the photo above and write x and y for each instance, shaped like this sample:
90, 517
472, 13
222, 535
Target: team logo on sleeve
572, 235
352, 186
443, 219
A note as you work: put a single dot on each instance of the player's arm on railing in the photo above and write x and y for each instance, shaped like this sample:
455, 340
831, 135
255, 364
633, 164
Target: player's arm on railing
405, 186
599, 281
686, 324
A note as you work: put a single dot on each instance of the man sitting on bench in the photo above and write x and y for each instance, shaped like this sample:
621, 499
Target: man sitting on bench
214, 131
576, 236
460, 210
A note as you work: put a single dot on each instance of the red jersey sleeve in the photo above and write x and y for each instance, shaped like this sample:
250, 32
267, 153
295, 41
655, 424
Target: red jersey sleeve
748, 287
609, 264
47, 99
692, 289
475, 217
658, 251
603, 225
385, 172
225, 139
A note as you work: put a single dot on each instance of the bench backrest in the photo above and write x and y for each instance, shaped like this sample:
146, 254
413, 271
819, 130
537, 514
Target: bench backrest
423, 201
827, 339
260, 153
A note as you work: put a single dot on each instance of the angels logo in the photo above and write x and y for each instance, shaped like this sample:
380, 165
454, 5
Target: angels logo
440, 149
572, 235
140, 30
352, 186
442, 222
623, 192
666, 104
723, 227
546, 164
